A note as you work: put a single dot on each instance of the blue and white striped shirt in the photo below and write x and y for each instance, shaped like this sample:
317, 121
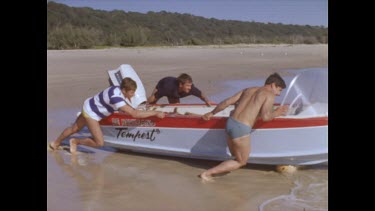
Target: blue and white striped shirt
104, 103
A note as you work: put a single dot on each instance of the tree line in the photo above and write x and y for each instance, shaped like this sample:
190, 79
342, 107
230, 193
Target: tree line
81, 28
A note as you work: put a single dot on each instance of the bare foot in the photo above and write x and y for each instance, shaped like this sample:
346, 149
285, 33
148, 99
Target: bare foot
73, 145
52, 146
205, 177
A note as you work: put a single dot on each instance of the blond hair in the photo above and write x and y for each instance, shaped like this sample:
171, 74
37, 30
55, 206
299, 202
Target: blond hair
128, 84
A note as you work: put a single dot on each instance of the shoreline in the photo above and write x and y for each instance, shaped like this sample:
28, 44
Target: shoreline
243, 45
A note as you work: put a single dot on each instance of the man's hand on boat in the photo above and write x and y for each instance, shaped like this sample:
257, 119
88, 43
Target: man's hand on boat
282, 110
207, 116
210, 103
160, 114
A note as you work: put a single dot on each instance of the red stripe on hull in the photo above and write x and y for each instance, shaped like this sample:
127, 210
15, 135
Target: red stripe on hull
289, 123
173, 121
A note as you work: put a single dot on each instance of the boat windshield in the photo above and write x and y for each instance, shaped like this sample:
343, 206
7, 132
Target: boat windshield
307, 94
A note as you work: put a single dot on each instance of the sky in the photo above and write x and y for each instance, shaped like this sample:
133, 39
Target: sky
300, 12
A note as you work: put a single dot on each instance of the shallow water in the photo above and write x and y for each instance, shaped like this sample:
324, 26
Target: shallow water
310, 191
109, 179
128, 181
102, 179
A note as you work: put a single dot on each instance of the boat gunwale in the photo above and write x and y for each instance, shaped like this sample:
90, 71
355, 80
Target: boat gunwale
194, 121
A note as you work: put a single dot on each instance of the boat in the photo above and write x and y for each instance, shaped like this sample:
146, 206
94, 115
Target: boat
299, 138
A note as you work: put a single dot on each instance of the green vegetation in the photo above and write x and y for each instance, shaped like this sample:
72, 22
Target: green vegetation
80, 28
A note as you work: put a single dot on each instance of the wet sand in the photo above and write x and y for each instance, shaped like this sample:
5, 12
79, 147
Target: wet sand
107, 179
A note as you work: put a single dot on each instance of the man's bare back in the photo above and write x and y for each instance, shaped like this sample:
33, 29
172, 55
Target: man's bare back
250, 104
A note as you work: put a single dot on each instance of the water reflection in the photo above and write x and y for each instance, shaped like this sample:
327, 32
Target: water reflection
310, 191
86, 176
133, 181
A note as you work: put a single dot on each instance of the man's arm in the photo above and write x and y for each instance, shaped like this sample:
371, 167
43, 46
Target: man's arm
267, 113
152, 99
205, 99
198, 93
139, 113
223, 104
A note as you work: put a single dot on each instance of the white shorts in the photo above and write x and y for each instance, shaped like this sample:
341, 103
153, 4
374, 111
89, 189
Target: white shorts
87, 112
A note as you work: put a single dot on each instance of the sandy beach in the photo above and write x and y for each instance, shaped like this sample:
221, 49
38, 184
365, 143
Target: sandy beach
107, 179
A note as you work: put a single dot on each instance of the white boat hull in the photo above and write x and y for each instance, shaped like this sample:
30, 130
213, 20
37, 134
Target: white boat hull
299, 138
295, 146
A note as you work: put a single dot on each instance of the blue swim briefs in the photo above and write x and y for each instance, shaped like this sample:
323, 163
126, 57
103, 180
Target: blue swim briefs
236, 129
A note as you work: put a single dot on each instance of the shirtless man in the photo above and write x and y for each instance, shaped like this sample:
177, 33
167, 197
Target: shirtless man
250, 103
100, 106
176, 88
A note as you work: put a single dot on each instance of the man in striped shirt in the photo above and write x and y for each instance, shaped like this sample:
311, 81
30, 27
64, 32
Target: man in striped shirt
100, 106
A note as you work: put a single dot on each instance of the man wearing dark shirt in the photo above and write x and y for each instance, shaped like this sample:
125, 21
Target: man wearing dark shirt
176, 88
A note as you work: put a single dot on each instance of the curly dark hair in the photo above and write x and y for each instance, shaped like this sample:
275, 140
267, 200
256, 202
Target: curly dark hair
276, 78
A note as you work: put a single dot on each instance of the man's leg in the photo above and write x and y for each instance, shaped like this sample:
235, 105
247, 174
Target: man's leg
230, 145
77, 126
241, 149
97, 139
